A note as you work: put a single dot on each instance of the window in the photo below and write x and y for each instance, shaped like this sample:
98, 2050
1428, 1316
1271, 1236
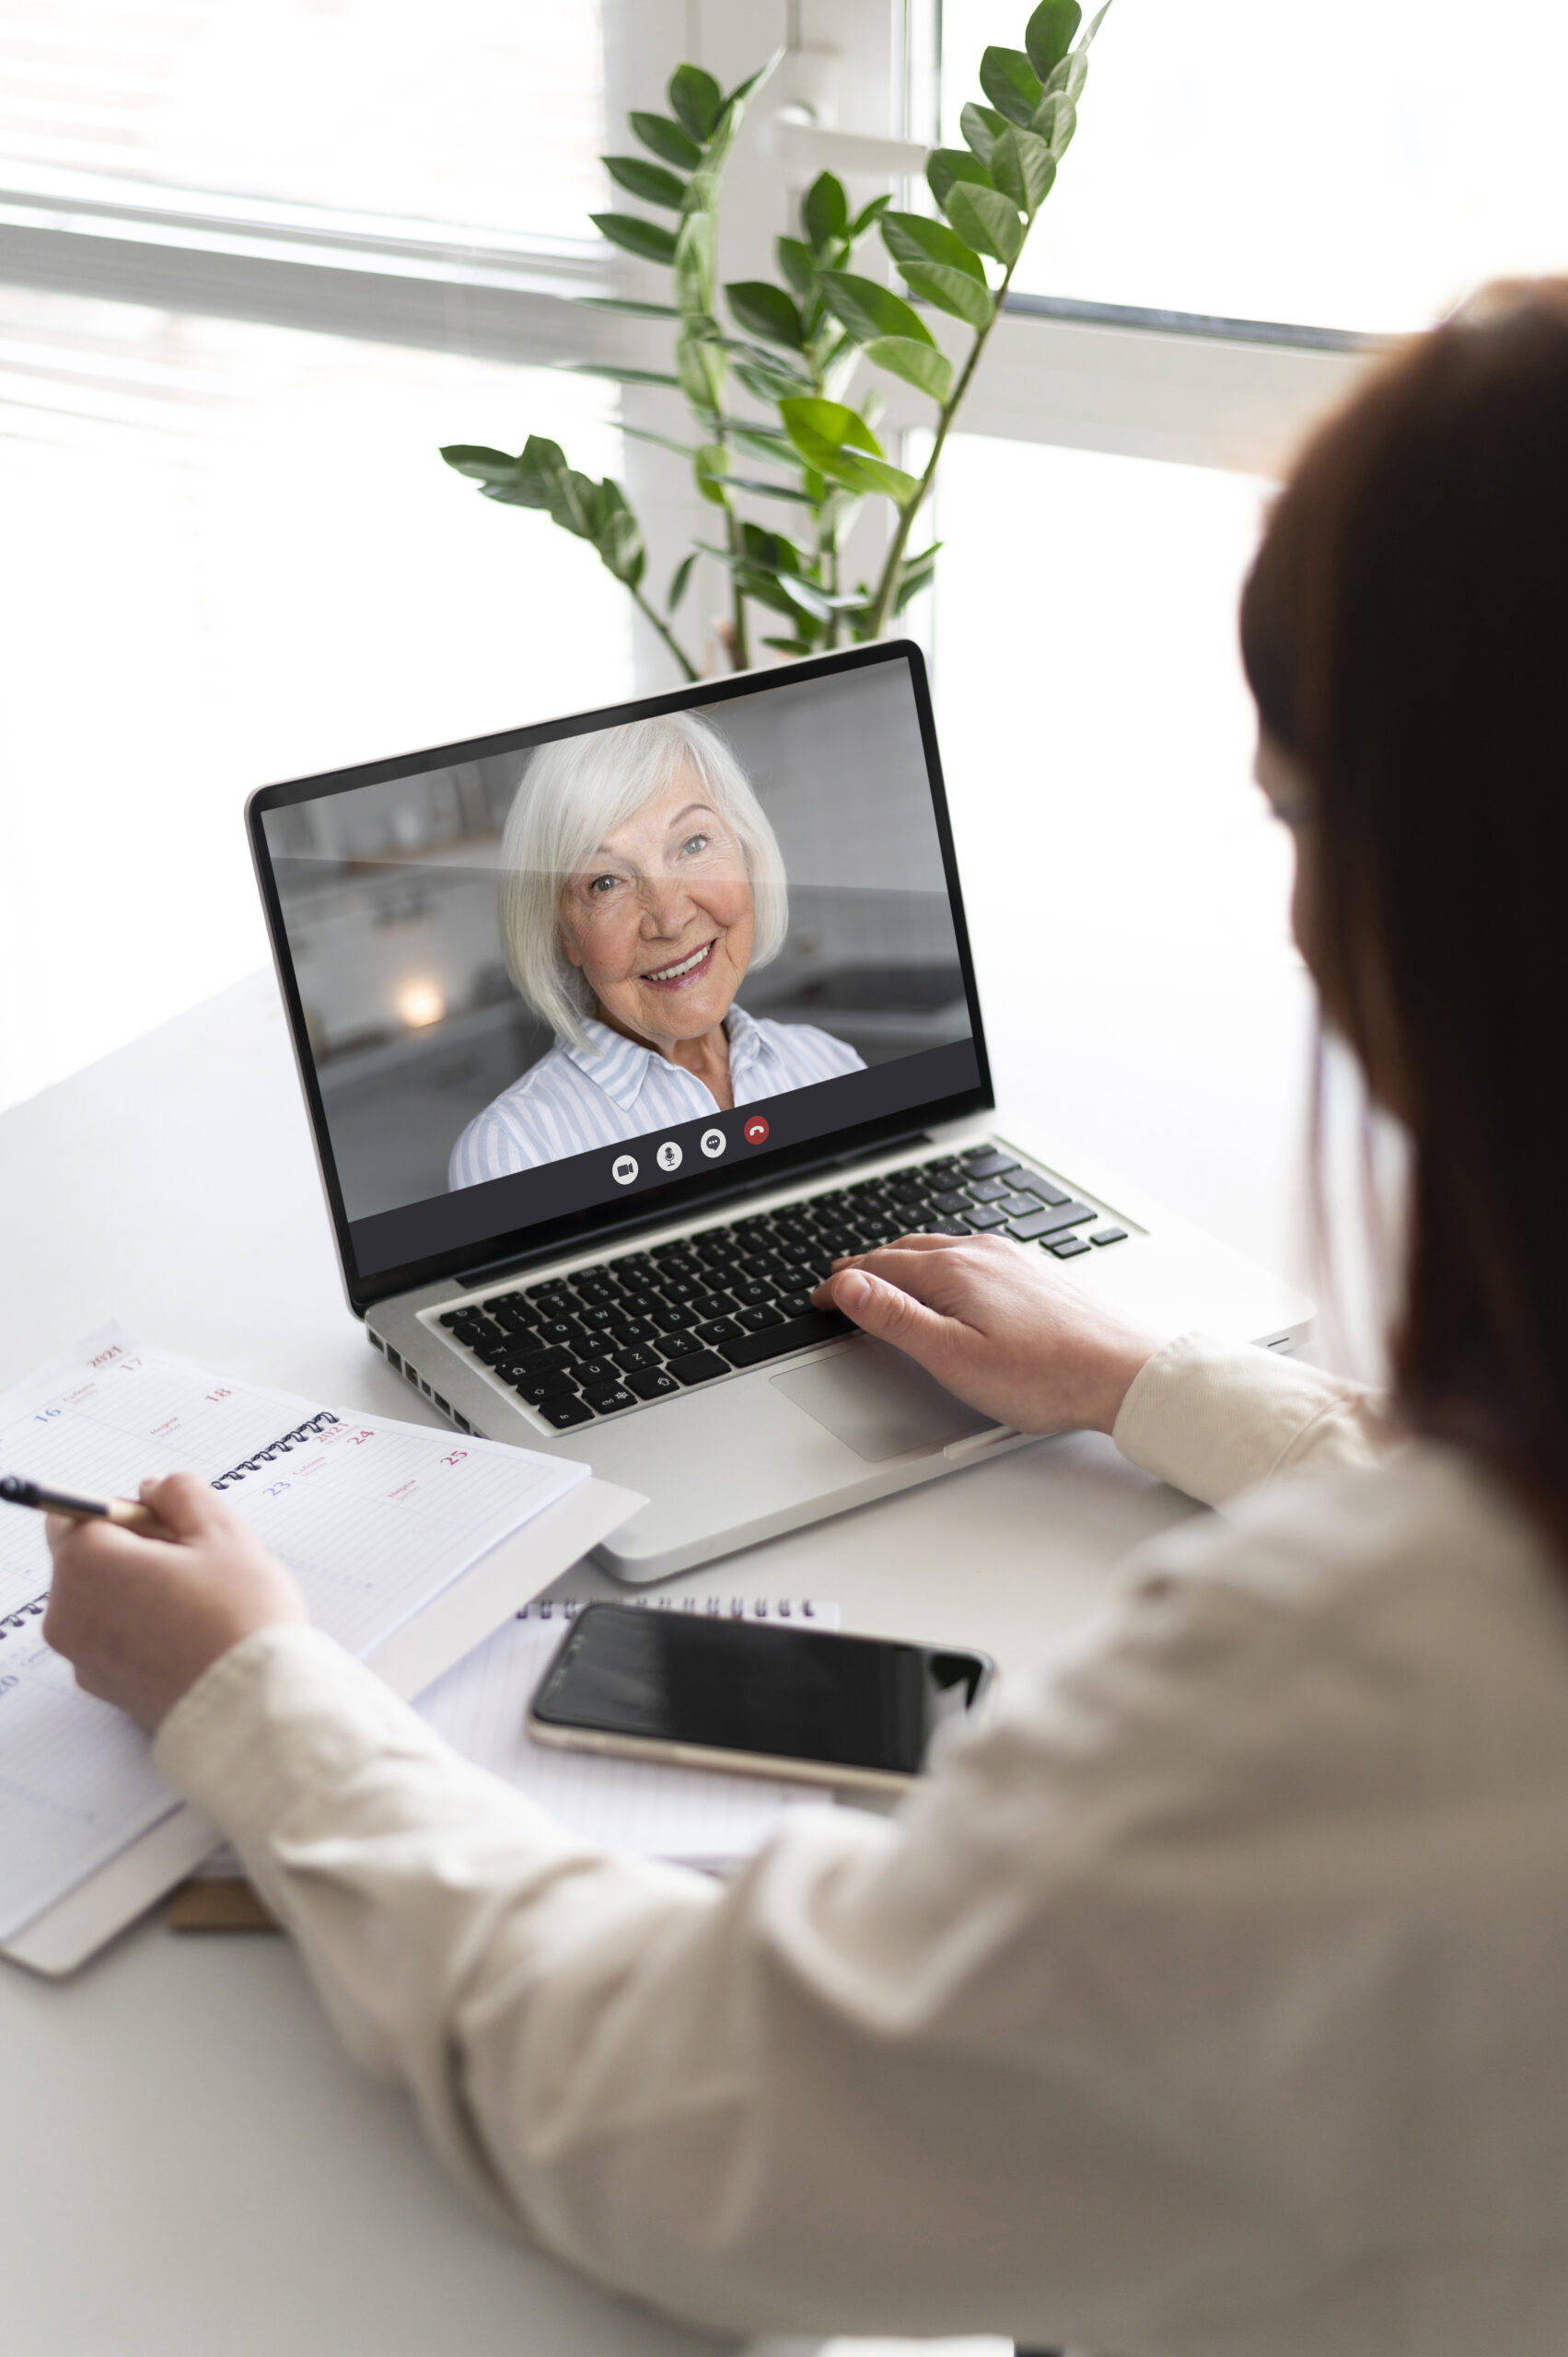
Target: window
1360, 171
476, 113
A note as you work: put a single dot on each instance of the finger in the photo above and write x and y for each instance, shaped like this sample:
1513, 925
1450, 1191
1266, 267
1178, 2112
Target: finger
889, 1315
187, 1505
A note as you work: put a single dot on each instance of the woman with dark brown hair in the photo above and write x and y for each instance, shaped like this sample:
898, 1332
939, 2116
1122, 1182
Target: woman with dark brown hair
1209, 1996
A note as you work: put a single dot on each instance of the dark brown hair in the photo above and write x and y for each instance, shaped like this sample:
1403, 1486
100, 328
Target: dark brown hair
1405, 633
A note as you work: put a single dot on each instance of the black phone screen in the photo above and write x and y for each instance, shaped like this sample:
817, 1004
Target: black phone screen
792, 1693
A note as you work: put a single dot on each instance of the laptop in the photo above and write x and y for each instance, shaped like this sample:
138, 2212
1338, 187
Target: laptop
614, 1030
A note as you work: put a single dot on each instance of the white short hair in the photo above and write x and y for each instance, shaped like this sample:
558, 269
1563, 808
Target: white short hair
574, 794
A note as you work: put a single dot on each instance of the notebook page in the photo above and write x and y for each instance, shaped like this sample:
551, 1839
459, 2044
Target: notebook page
697, 1815
376, 1518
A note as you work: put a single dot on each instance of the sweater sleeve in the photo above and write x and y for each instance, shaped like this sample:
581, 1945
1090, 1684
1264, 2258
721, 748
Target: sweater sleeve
1213, 1418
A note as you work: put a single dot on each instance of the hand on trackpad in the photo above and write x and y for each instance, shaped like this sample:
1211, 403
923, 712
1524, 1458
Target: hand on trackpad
879, 1403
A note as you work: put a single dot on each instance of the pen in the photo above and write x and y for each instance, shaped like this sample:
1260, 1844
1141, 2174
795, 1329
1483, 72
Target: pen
15, 1491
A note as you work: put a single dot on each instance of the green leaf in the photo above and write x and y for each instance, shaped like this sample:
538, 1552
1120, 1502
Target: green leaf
1094, 23
647, 239
614, 374
825, 212
839, 444
917, 575
775, 448
479, 464
945, 164
766, 383
1023, 167
650, 181
695, 247
696, 99
986, 220
771, 490
865, 216
792, 645
626, 308
767, 312
868, 309
666, 139
1056, 118
616, 532
979, 126
702, 369
1047, 35
677, 581
659, 441
799, 265
912, 236
953, 291
920, 365
1010, 83
711, 466
544, 479
770, 549
1067, 82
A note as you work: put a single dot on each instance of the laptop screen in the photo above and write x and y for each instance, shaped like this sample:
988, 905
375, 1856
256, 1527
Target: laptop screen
571, 978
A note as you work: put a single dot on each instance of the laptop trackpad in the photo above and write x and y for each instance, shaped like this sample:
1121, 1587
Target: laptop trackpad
879, 1402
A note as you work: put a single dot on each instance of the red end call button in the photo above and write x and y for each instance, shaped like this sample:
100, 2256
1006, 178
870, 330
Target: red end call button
756, 1131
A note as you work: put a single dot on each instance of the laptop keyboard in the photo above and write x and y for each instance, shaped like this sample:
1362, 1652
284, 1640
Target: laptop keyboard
648, 1325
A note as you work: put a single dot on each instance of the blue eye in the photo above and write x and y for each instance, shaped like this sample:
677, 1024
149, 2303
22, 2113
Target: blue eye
602, 884
695, 843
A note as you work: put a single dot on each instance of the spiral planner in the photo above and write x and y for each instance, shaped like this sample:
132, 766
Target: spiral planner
413, 1546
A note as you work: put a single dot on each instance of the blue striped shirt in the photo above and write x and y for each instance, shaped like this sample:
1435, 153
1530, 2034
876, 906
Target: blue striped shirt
577, 1098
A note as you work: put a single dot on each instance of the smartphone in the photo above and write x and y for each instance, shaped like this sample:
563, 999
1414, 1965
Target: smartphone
804, 1704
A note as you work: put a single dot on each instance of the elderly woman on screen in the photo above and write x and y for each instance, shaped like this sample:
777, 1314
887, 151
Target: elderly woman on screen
640, 883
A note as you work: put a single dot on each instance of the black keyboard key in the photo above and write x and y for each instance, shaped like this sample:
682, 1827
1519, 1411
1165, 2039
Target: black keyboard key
598, 1315
651, 1383
947, 1227
631, 1268
595, 1371
681, 1288
990, 1191
450, 1318
503, 1301
552, 1301
562, 1329
985, 1216
1018, 1205
639, 1302
712, 1305
952, 1204
671, 1314
604, 1397
792, 1305
1109, 1235
947, 1166
1066, 1247
677, 1346
493, 1353
984, 1162
566, 1411
596, 1293
751, 1293
635, 1361
794, 1334
551, 1385
699, 1368
799, 1276
1050, 1223
630, 1330
755, 1320
717, 1332
1027, 1183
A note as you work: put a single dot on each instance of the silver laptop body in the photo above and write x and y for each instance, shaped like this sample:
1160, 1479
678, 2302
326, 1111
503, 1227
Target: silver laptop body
636, 1293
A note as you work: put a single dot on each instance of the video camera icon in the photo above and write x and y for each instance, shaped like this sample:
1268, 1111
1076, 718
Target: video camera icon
756, 1131
623, 1170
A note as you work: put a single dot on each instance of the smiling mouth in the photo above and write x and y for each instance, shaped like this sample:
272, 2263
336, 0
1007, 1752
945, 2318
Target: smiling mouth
685, 969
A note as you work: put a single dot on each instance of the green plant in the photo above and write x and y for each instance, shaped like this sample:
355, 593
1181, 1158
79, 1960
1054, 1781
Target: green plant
801, 343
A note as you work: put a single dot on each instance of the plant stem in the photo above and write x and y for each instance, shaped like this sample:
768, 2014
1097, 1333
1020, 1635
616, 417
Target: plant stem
740, 650
688, 669
887, 588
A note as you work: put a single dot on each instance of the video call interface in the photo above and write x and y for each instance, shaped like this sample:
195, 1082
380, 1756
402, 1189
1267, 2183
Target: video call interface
551, 979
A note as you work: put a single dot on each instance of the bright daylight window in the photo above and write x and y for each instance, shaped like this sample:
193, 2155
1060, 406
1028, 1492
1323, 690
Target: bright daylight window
232, 551
1357, 167
474, 112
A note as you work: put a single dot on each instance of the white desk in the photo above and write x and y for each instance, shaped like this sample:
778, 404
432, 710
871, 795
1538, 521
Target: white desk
188, 2166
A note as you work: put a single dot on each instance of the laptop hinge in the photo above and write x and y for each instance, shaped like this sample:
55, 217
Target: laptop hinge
616, 1229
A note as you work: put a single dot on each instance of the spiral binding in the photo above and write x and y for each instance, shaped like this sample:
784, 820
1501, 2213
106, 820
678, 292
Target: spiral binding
735, 1607
280, 1447
12, 1622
